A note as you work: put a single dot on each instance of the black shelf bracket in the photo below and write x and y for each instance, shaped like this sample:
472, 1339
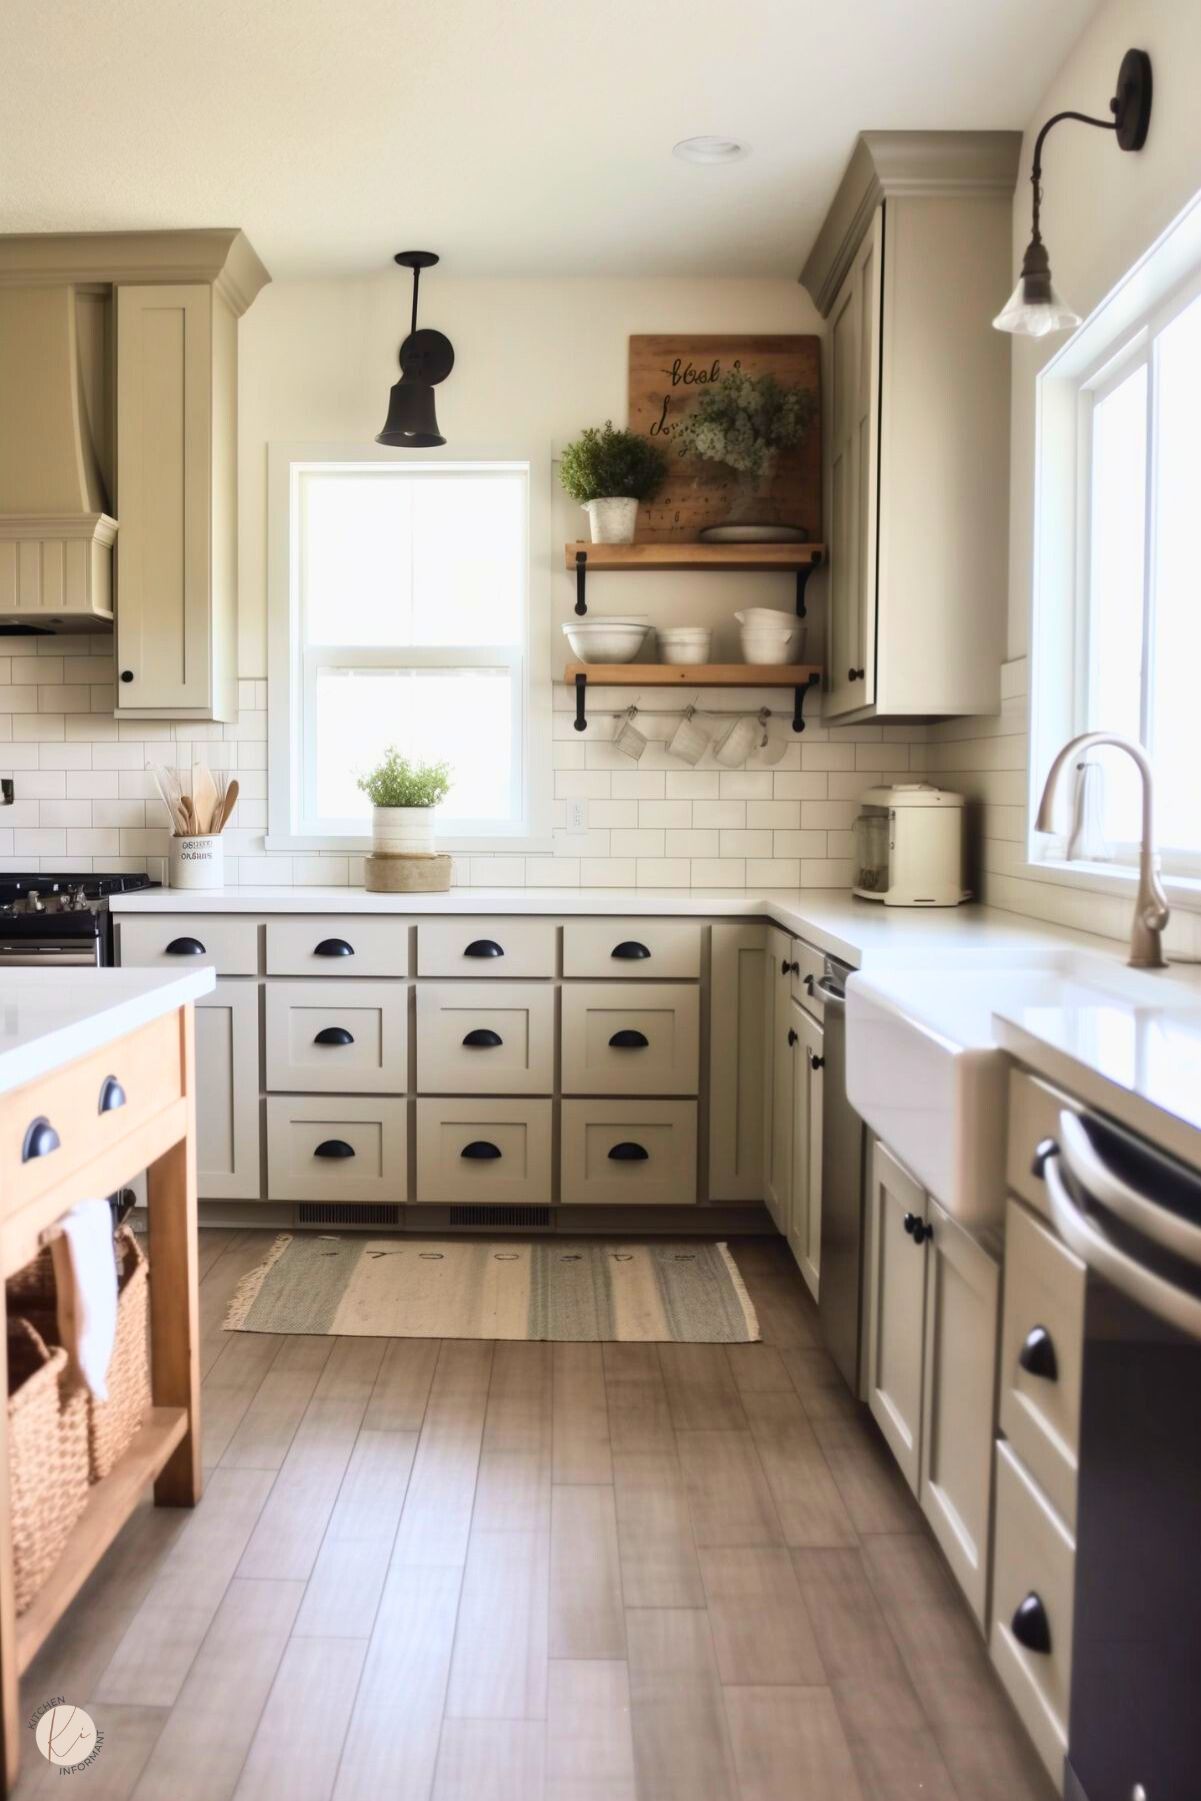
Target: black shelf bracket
581, 689
581, 604
802, 582
798, 702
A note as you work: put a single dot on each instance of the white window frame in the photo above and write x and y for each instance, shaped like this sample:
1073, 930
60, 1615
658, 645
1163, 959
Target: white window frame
292, 663
1117, 336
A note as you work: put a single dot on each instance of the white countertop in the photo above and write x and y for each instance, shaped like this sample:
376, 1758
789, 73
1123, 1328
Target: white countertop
49, 1017
829, 918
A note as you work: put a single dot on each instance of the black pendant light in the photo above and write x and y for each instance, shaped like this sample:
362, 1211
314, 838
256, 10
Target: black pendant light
426, 358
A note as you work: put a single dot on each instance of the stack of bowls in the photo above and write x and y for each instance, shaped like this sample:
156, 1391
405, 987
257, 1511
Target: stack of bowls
684, 643
771, 636
615, 639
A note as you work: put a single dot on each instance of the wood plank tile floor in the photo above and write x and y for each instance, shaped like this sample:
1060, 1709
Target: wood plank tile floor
528, 1572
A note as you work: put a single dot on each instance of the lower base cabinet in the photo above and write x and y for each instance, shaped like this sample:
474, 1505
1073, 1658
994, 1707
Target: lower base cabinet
485, 1151
336, 1147
804, 1216
629, 1153
934, 1302
227, 1092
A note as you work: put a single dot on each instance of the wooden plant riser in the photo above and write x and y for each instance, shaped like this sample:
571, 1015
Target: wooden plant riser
406, 874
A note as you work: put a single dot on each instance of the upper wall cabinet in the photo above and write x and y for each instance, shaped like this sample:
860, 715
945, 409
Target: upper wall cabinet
908, 268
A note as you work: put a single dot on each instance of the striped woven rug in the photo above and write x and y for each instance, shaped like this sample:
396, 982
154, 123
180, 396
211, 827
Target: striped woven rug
573, 1290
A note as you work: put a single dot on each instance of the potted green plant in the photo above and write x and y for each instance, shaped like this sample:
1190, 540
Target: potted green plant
609, 471
745, 421
403, 796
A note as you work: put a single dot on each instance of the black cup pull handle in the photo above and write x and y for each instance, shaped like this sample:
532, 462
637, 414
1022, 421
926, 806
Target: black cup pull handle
483, 1038
334, 1035
629, 1153
1037, 1355
333, 947
629, 951
334, 1147
40, 1140
185, 947
112, 1095
809, 985
629, 1040
483, 947
1030, 1625
480, 1150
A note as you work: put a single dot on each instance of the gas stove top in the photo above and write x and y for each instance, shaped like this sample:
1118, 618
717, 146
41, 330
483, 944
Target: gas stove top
48, 919
52, 893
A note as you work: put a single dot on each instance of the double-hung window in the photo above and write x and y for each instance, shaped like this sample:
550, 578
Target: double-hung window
405, 622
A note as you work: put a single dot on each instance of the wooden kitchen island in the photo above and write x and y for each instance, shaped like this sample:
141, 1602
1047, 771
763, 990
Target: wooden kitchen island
67, 1038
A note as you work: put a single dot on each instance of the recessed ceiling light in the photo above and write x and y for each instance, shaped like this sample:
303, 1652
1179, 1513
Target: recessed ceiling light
710, 150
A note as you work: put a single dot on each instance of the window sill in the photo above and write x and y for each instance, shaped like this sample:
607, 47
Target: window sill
291, 842
1183, 891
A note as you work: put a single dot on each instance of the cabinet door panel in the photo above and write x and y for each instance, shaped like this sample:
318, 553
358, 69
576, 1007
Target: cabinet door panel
962, 1306
896, 1311
227, 1093
804, 1216
737, 1042
778, 1090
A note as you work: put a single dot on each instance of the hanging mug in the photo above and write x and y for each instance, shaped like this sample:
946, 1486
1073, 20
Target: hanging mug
689, 741
628, 739
772, 745
735, 742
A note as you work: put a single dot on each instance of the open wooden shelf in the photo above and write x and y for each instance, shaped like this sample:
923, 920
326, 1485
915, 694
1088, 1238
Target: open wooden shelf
110, 1503
695, 675
781, 557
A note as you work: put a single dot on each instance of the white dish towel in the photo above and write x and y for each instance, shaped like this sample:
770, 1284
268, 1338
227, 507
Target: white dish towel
85, 1275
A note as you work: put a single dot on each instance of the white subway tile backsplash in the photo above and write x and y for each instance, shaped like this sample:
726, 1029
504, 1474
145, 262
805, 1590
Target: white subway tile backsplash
746, 844
827, 756
639, 784
664, 872
66, 812
799, 784
719, 812
643, 842
718, 872
691, 843
692, 784
745, 784
582, 784
799, 844
784, 814
612, 812
665, 812
782, 872
604, 872
92, 784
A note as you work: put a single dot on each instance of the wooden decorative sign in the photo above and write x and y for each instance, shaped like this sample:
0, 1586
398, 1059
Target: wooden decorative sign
668, 374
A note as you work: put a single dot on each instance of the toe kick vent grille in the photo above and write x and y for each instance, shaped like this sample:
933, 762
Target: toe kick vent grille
347, 1213
521, 1218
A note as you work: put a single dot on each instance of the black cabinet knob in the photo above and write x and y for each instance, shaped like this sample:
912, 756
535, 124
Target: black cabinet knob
629, 951
816, 1062
480, 1151
785, 967
482, 1039
334, 1035
333, 947
40, 1140
1030, 1625
112, 1095
909, 1221
127, 675
792, 1037
809, 985
629, 1153
185, 947
483, 947
854, 675
629, 1040
334, 1147
1037, 1355
922, 1233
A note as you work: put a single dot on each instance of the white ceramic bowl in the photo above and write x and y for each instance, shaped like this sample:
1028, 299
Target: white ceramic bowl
772, 646
605, 640
684, 643
767, 616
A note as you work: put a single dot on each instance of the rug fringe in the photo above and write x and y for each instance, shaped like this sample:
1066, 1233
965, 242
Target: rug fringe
247, 1291
740, 1289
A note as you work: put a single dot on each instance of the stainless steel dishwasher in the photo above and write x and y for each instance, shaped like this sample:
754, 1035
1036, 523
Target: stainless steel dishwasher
842, 1187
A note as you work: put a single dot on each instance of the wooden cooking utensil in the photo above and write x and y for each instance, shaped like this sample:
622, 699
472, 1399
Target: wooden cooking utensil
204, 798
227, 806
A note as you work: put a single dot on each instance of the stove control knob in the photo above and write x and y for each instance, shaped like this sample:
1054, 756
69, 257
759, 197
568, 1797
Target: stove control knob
35, 901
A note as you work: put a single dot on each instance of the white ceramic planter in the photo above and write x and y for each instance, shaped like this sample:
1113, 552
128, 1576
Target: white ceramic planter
402, 831
196, 862
612, 520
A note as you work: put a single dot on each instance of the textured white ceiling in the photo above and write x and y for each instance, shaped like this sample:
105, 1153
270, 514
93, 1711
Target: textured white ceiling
513, 136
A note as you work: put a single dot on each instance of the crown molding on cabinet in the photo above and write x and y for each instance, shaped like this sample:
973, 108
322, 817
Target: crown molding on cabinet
918, 164
223, 258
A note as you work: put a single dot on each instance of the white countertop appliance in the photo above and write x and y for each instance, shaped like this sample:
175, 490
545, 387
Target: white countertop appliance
909, 846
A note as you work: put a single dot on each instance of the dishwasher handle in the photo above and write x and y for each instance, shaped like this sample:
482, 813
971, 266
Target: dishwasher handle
1085, 1161
831, 993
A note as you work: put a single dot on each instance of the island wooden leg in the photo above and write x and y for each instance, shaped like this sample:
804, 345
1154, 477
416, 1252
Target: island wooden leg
10, 1694
175, 1293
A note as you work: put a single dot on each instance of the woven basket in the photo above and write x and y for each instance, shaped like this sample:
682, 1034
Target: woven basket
47, 1453
111, 1423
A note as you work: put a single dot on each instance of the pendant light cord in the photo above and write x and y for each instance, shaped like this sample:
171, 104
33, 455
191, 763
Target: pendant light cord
417, 278
1036, 170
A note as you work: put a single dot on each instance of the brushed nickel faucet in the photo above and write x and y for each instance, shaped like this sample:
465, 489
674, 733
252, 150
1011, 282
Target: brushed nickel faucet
1151, 910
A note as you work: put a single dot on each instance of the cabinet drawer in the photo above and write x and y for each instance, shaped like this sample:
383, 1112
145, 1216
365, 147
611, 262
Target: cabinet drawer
485, 1038
170, 940
337, 946
64, 1120
338, 1037
484, 1151
1034, 1109
807, 968
486, 947
362, 1144
629, 1153
1044, 1323
1034, 1566
653, 949
622, 1040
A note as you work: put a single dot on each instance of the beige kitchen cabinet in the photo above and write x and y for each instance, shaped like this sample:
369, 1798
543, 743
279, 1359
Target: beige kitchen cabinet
176, 411
777, 1175
805, 1188
737, 1053
896, 1308
227, 1093
917, 441
630, 1038
958, 1373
